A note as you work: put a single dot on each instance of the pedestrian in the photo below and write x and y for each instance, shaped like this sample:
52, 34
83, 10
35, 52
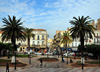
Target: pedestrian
7, 68
63, 59
41, 61
74, 56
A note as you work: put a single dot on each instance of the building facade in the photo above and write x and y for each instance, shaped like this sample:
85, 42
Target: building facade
37, 43
76, 42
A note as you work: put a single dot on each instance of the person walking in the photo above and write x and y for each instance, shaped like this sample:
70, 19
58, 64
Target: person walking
41, 61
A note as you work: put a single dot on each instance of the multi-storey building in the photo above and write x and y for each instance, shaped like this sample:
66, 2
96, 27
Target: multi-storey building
76, 42
37, 43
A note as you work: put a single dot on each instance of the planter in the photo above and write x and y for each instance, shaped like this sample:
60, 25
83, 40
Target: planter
49, 59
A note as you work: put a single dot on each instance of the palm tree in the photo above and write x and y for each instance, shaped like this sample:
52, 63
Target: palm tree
12, 30
28, 35
66, 38
81, 27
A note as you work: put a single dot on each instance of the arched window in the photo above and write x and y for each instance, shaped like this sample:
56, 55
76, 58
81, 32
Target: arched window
34, 38
38, 37
42, 37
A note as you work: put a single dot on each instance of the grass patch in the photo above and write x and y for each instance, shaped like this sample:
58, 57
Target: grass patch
47, 58
89, 62
92, 62
3, 60
79, 62
73, 57
21, 55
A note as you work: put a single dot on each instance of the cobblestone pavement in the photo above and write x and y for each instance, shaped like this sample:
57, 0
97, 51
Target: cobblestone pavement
56, 66
51, 70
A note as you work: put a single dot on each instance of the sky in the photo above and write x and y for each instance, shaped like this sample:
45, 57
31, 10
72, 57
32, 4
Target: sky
51, 15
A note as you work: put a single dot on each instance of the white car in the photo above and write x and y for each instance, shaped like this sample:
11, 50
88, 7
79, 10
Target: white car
28, 52
38, 53
72, 53
65, 54
48, 53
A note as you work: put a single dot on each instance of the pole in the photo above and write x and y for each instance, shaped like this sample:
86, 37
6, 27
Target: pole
67, 58
15, 60
46, 45
36, 52
30, 59
99, 61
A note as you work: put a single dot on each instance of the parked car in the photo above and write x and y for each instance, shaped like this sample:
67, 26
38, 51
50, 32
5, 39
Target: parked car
72, 53
90, 54
29, 52
48, 53
65, 54
38, 53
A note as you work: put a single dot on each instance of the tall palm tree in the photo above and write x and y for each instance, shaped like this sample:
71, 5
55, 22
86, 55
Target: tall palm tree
66, 38
12, 30
28, 35
81, 27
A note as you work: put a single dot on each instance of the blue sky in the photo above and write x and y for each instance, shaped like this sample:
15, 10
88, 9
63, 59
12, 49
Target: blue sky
51, 15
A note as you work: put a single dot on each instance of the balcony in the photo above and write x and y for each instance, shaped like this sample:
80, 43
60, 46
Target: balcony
97, 36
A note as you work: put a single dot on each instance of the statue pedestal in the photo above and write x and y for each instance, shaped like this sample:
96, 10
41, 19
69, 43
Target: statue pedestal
83, 60
13, 59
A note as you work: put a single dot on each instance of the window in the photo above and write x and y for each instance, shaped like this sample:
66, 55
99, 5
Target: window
42, 42
33, 42
97, 34
38, 42
42, 37
76, 44
38, 37
94, 40
34, 38
75, 39
68, 44
72, 44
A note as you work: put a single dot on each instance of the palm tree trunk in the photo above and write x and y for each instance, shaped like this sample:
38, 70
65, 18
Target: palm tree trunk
66, 47
82, 48
13, 40
28, 43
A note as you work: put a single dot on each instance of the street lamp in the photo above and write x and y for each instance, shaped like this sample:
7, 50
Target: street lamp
29, 57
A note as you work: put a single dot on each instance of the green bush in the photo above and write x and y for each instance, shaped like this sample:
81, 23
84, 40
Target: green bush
4, 60
92, 62
20, 55
46, 58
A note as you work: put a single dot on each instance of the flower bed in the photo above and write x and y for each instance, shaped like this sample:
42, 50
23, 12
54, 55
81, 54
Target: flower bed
4, 62
48, 59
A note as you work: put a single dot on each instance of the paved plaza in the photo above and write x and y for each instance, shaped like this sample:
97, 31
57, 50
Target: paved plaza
56, 66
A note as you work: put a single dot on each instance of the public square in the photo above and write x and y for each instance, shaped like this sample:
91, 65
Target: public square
57, 66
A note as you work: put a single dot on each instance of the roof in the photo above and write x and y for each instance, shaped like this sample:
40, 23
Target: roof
1, 31
33, 30
39, 30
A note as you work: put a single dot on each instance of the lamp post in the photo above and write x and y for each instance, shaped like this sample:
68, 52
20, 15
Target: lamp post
29, 57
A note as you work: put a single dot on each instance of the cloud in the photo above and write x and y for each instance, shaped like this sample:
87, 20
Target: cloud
51, 15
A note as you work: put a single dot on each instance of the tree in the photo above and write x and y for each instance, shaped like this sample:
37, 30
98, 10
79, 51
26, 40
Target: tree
81, 27
95, 49
66, 38
12, 30
28, 35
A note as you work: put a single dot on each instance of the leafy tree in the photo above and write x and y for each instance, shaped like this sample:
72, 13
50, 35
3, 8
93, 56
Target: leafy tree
66, 38
95, 49
81, 27
12, 30
28, 35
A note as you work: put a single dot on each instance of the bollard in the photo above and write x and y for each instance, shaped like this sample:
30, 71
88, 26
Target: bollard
7, 67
